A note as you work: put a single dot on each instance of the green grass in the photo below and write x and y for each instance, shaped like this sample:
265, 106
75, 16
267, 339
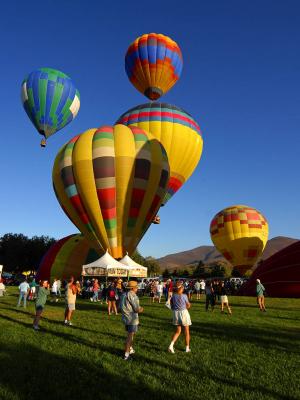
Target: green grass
250, 355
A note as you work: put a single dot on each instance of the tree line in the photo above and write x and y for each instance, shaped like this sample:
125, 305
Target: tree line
20, 253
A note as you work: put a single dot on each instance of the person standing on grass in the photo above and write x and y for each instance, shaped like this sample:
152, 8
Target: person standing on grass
260, 290
70, 293
197, 288
111, 299
159, 291
130, 307
224, 298
96, 288
210, 298
24, 290
181, 317
54, 290
40, 302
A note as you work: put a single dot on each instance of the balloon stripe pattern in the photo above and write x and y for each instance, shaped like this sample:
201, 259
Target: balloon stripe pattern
153, 63
178, 132
240, 233
65, 258
50, 100
111, 182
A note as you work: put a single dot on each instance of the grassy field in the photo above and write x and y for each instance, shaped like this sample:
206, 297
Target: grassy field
250, 355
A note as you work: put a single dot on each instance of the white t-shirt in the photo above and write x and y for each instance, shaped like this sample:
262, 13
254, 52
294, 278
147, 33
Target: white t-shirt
54, 287
197, 285
24, 287
202, 285
160, 288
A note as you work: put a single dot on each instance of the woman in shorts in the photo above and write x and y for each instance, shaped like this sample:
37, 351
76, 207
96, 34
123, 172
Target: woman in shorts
112, 298
181, 317
40, 302
224, 299
70, 293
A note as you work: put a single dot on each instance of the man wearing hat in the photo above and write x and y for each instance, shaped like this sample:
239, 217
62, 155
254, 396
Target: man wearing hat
130, 307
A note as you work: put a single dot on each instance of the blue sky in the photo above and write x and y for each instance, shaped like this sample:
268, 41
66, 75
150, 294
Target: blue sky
240, 81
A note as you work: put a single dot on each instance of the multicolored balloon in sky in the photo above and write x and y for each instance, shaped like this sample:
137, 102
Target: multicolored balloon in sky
177, 131
153, 63
50, 100
110, 182
240, 233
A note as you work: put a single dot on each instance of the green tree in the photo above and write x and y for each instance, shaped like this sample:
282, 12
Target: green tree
199, 271
217, 271
236, 273
166, 274
19, 253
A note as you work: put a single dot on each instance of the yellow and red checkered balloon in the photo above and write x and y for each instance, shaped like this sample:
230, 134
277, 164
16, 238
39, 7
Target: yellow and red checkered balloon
240, 233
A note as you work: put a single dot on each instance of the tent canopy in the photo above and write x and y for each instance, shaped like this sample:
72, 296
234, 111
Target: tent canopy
135, 270
105, 266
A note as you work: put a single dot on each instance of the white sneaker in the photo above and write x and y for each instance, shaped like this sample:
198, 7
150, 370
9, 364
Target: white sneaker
36, 328
66, 322
70, 323
171, 349
131, 351
188, 350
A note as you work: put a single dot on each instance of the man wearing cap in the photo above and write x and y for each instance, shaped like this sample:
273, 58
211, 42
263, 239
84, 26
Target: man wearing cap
130, 307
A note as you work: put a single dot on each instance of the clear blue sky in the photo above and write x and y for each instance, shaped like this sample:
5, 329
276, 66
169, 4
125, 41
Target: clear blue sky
240, 82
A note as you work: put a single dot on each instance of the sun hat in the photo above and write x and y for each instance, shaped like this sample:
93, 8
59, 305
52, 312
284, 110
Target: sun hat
131, 285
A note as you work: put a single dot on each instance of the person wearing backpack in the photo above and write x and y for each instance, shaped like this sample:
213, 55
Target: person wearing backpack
112, 298
130, 307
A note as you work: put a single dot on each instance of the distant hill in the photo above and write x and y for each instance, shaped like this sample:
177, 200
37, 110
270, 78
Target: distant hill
209, 254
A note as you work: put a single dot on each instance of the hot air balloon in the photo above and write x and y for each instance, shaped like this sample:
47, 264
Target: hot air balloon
66, 257
177, 131
50, 100
111, 181
240, 233
153, 63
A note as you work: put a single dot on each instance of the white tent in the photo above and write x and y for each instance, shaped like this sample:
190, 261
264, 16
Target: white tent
135, 270
105, 266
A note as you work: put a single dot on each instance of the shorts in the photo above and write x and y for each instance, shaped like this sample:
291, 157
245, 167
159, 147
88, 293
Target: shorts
198, 291
224, 299
151, 294
111, 299
131, 328
181, 318
71, 306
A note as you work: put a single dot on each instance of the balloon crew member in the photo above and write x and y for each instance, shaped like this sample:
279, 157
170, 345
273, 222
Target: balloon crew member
130, 307
43, 292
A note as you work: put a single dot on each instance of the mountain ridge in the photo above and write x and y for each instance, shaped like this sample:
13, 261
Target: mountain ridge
209, 254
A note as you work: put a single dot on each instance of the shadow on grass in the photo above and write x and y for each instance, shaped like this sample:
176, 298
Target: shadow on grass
283, 340
31, 373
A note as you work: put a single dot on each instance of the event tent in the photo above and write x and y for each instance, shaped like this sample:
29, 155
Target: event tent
135, 270
105, 266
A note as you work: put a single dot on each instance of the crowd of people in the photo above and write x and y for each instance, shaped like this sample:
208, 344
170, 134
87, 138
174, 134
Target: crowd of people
123, 297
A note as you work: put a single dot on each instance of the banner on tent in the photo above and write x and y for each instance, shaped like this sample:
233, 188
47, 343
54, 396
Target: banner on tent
138, 272
110, 272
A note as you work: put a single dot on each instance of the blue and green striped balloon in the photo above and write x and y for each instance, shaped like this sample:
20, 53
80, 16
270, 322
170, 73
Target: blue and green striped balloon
50, 100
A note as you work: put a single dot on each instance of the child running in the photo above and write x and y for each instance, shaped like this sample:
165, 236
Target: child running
181, 317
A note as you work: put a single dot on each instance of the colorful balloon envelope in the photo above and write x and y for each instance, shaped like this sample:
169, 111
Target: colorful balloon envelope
66, 257
153, 63
177, 131
240, 233
50, 100
111, 181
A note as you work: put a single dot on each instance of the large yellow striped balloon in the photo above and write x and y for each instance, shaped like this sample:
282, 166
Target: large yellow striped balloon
110, 182
177, 131
240, 233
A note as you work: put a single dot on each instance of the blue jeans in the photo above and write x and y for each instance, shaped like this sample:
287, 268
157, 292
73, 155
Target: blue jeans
22, 296
95, 296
